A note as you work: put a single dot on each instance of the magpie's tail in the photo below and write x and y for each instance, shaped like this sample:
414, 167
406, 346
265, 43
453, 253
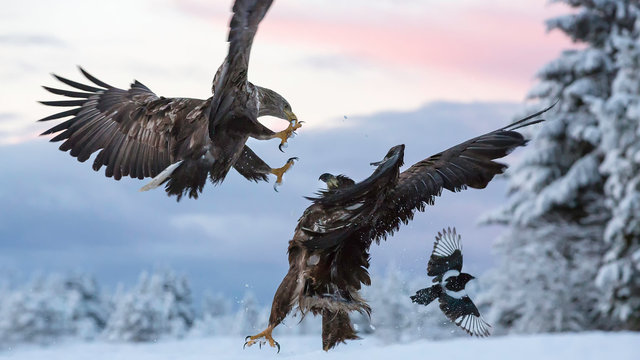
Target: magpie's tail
427, 295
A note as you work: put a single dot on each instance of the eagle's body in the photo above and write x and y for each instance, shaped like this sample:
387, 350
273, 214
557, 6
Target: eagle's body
177, 141
329, 252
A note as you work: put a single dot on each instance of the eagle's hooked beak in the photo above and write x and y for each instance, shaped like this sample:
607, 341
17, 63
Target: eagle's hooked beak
290, 131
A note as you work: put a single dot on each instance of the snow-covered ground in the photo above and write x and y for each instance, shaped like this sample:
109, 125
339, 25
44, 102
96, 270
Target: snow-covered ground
583, 346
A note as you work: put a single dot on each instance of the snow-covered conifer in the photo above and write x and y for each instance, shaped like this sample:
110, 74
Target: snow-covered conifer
575, 194
160, 305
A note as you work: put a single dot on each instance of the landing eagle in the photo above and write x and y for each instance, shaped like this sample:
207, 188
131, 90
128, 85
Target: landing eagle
177, 141
329, 253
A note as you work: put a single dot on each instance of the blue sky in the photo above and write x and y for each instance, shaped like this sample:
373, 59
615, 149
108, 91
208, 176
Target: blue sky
358, 73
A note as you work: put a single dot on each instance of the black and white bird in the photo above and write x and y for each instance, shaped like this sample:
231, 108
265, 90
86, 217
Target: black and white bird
445, 265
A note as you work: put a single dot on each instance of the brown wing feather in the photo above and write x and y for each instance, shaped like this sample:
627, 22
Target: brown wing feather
230, 82
138, 133
247, 14
469, 164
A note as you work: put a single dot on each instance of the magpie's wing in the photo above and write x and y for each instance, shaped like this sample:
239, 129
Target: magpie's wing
137, 132
464, 313
446, 254
427, 295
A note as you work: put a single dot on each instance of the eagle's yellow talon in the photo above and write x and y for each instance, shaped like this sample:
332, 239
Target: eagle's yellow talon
279, 172
287, 133
262, 338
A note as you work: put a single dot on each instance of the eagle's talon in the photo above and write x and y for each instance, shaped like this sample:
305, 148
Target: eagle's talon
279, 172
287, 133
261, 339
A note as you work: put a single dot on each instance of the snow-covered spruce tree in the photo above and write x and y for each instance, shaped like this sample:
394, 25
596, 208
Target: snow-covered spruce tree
159, 306
619, 120
52, 307
574, 207
87, 310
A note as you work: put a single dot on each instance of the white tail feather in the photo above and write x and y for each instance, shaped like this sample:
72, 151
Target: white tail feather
160, 178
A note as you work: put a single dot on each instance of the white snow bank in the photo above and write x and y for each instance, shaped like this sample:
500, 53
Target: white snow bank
583, 346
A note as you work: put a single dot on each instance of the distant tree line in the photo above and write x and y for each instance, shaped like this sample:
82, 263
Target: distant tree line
53, 308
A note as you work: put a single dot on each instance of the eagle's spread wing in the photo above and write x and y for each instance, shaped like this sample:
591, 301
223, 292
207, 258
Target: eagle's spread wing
465, 314
247, 14
232, 74
446, 255
469, 164
138, 133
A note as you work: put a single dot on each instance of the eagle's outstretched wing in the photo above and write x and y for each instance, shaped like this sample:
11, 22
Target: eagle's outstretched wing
247, 14
469, 164
232, 74
138, 133
378, 205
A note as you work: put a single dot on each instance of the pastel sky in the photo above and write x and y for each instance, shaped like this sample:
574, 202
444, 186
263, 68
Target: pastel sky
359, 72
329, 58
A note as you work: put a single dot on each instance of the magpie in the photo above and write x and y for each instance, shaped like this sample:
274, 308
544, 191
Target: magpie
445, 265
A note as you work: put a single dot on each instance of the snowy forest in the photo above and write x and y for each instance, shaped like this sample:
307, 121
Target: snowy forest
56, 308
568, 254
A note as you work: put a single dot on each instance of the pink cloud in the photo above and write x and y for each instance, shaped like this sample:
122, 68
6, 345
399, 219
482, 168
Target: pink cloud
508, 43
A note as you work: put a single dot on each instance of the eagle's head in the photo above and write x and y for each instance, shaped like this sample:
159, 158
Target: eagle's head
334, 182
274, 104
330, 180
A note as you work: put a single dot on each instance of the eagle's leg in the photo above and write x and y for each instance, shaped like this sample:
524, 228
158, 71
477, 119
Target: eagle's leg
285, 134
262, 338
281, 306
279, 172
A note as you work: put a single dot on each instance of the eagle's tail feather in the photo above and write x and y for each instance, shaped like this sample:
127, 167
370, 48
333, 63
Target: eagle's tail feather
187, 179
162, 177
336, 328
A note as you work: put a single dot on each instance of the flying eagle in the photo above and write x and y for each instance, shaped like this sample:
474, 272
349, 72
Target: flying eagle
329, 253
179, 141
